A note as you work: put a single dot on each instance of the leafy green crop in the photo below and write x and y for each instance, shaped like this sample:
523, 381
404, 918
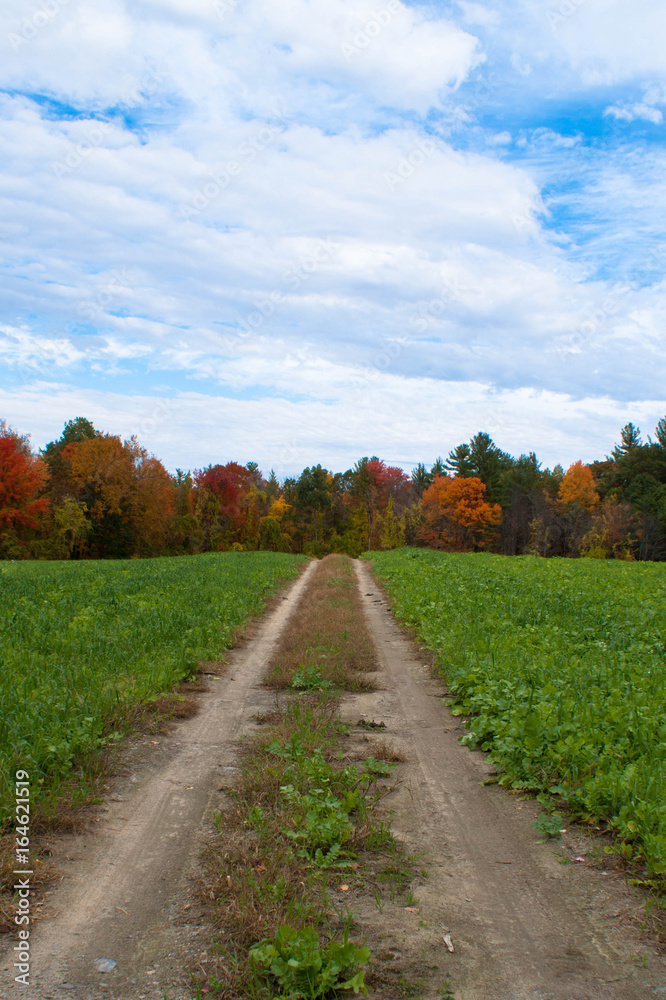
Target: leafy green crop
80, 640
561, 665
306, 971
320, 800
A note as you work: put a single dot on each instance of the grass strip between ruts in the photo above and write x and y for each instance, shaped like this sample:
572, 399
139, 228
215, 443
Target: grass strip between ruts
302, 824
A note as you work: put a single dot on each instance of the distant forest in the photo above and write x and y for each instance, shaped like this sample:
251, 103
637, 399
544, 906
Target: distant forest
90, 495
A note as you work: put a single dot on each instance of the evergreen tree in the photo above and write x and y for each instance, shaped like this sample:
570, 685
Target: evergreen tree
630, 439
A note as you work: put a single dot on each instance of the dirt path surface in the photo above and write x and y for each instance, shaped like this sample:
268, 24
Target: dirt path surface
129, 896
522, 924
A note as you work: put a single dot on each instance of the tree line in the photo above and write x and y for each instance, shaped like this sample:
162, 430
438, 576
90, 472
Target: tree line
91, 495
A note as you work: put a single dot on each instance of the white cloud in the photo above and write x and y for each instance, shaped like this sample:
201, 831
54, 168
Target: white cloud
192, 157
631, 112
396, 54
403, 420
477, 13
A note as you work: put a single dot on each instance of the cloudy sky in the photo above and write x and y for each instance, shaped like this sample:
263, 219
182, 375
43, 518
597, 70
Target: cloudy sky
308, 231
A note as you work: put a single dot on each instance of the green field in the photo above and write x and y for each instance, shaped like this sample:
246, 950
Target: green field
562, 666
80, 640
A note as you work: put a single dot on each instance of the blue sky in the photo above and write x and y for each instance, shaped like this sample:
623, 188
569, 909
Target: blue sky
316, 230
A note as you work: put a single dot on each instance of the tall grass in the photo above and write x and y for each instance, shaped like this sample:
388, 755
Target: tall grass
78, 641
561, 665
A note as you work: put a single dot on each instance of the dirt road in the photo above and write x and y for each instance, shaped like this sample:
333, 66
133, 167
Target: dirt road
128, 897
521, 924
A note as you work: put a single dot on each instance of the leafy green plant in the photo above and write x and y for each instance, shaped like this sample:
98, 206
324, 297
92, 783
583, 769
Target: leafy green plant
308, 678
549, 826
320, 820
558, 666
305, 970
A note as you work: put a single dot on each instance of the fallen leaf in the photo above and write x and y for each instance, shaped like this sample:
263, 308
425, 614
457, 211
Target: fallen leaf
448, 942
260, 868
355, 865
344, 888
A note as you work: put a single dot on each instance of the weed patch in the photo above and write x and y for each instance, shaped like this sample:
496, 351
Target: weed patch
326, 644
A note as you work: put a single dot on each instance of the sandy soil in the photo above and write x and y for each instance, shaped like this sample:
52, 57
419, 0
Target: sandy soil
521, 924
127, 893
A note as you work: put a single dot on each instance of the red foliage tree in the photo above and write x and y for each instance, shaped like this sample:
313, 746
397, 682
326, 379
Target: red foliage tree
21, 478
374, 483
227, 484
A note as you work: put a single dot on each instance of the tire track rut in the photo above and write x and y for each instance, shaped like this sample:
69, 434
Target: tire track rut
127, 895
524, 926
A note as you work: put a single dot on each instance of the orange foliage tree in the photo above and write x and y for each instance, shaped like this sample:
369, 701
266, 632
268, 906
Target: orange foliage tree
457, 515
578, 487
128, 495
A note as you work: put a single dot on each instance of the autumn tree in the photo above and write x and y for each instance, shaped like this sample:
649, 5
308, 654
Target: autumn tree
392, 528
273, 537
483, 459
56, 458
222, 488
22, 478
127, 494
457, 515
373, 483
577, 487
613, 533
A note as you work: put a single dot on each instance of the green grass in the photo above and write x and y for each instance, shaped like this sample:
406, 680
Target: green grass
80, 641
561, 665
